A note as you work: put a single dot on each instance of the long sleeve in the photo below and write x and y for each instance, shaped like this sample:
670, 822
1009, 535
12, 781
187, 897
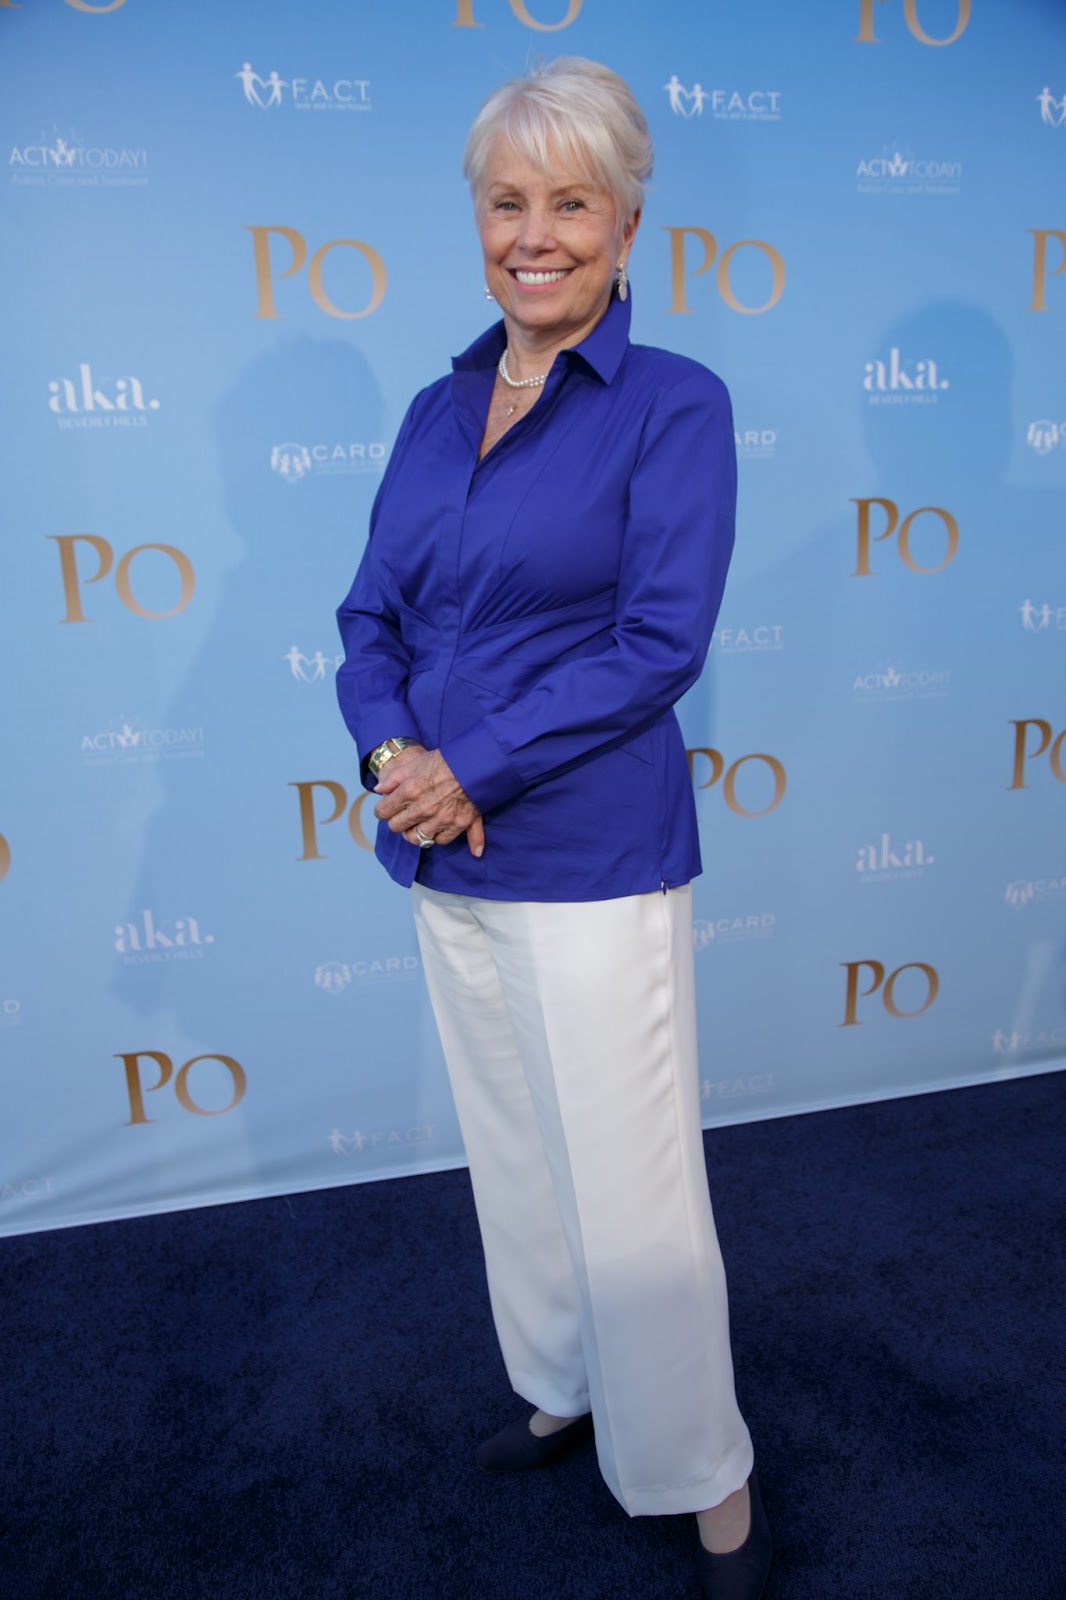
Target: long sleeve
677, 542
372, 681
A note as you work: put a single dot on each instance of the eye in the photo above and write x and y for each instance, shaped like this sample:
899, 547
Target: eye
573, 205
504, 205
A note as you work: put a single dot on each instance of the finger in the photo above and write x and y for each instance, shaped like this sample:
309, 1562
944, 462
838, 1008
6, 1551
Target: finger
475, 837
409, 808
393, 782
399, 769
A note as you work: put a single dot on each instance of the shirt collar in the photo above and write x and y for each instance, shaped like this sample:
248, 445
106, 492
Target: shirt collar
601, 350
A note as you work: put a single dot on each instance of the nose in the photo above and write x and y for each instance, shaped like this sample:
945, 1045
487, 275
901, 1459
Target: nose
536, 232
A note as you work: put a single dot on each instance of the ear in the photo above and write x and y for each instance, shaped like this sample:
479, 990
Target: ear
629, 232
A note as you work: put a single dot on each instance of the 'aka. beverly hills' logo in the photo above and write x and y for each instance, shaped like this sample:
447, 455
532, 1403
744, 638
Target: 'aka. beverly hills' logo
93, 402
900, 380
885, 860
146, 940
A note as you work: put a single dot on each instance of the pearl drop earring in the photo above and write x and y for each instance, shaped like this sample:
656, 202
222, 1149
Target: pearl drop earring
623, 282
488, 293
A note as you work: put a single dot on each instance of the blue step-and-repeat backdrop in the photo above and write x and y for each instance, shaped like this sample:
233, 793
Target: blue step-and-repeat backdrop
236, 240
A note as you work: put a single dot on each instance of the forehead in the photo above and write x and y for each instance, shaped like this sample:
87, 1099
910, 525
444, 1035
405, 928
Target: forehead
508, 166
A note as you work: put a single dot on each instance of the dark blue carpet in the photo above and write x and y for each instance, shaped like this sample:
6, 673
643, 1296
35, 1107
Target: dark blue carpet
279, 1400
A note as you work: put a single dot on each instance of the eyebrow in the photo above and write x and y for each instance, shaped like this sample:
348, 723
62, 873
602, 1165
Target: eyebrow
563, 188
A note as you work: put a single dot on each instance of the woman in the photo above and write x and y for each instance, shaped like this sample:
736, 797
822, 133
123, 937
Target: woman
546, 559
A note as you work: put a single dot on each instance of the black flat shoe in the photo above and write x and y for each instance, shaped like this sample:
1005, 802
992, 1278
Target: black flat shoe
739, 1574
515, 1449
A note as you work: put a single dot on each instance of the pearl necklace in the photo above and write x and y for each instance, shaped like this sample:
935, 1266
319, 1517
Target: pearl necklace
516, 383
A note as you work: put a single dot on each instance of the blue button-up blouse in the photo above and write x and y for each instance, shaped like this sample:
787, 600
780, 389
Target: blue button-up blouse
537, 614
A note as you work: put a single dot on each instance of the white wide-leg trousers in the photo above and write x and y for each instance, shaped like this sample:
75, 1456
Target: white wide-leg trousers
569, 1032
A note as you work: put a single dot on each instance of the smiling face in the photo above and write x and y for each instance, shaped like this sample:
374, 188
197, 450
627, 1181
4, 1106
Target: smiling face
552, 242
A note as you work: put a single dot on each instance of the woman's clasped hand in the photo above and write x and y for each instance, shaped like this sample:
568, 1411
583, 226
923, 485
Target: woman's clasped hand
420, 792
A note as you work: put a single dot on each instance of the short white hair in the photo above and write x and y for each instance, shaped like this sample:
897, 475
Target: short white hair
572, 110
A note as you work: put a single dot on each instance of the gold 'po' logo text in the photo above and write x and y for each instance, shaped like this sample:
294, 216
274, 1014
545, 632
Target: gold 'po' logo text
310, 824
949, 529
929, 983
105, 556
464, 15
866, 33
5, 858
730, 777
315, 269
136, 1091
723, 271
1046, 745
1040, 272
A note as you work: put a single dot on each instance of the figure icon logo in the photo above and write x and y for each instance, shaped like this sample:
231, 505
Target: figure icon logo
685, 102
1052, 111
308, 669
291, 462
261, 92
1035, 618
1043, 435
332, 977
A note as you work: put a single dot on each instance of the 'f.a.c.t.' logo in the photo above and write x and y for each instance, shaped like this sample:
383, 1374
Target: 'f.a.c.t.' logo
303, 93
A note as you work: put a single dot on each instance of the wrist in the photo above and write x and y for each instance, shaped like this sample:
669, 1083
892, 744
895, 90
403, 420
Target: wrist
385, 752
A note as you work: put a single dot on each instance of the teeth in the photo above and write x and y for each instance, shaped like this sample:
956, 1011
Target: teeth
539, 277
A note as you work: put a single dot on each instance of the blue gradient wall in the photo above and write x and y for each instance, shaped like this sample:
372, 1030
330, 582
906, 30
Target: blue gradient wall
235, 241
